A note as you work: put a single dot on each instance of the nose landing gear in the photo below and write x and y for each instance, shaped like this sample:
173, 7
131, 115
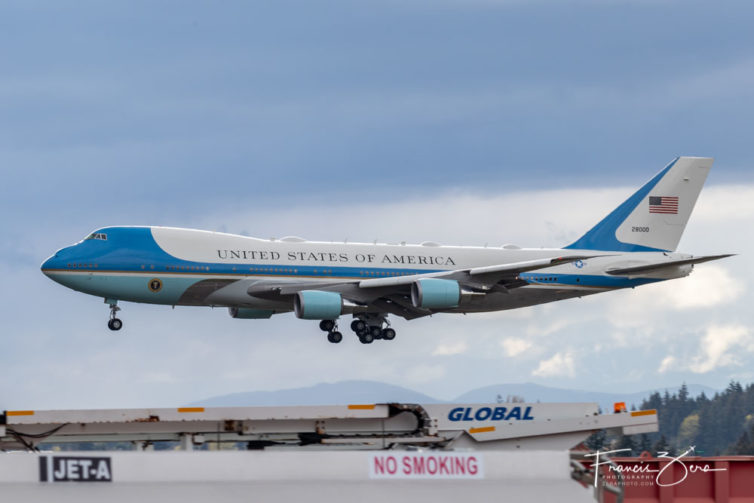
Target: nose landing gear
114, 324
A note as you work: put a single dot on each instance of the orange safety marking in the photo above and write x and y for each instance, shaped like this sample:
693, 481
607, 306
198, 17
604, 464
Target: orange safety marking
191, 409
19, 413
361, 407
650, 412
485, 429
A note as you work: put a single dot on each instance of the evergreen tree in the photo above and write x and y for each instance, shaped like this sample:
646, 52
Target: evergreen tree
644, 444
707, 437
661, 446
597, 441
653, 401
734, 387
683, 393
732, 415
626, 442
744, 444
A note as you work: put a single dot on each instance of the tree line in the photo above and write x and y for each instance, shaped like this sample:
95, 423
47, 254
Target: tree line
721, 424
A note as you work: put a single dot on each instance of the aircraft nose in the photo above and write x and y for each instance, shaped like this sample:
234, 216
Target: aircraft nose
51, 263
47, 264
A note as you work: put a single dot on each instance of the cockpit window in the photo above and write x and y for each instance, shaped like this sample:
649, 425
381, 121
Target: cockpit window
96, 235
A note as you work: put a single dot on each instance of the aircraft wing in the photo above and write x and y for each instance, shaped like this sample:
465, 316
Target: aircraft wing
392, 295
482, 278
649, 268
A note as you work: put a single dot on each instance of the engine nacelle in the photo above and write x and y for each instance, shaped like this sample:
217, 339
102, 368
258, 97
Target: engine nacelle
317, 305
246, 313
432, 293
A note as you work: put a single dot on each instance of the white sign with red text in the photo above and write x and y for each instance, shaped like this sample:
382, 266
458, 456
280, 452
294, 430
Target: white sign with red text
425, 465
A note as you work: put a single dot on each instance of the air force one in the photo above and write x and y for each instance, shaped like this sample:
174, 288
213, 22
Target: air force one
256, 278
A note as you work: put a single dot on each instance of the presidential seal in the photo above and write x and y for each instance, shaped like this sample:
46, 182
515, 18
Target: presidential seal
155, 285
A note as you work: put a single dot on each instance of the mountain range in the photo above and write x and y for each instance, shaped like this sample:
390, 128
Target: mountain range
349, 392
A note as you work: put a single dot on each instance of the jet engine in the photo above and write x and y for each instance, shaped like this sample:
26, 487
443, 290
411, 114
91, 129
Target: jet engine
432, 293
245, 313
317, 305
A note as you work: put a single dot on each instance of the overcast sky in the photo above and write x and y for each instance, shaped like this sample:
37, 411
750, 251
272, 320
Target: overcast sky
459, 121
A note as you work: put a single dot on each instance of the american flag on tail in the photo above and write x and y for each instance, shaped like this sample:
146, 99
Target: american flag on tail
663, 204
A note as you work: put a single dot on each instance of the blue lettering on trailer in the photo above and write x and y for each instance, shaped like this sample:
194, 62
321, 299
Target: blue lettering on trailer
490, 414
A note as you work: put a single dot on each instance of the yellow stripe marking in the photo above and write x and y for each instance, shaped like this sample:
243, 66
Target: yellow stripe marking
361, 407
485, 429
19, 413
650, 412
191, 409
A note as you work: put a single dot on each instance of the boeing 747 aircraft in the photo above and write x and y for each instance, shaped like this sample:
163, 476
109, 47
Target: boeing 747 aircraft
257, 278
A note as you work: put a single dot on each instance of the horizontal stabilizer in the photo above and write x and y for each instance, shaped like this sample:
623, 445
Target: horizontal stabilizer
642, 269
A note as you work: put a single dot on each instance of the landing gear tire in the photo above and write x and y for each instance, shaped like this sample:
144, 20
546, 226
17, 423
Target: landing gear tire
114, 323
335, 337
388, 334
366, 338
358, 326
375, 332
326, 325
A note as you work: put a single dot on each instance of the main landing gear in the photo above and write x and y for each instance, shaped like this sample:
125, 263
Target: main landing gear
114, 324
369, 328
331, 328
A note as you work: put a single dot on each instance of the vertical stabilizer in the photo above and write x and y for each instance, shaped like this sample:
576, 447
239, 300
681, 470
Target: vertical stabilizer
653, 219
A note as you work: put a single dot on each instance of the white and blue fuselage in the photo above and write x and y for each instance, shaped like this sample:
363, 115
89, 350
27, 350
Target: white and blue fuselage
172, 266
